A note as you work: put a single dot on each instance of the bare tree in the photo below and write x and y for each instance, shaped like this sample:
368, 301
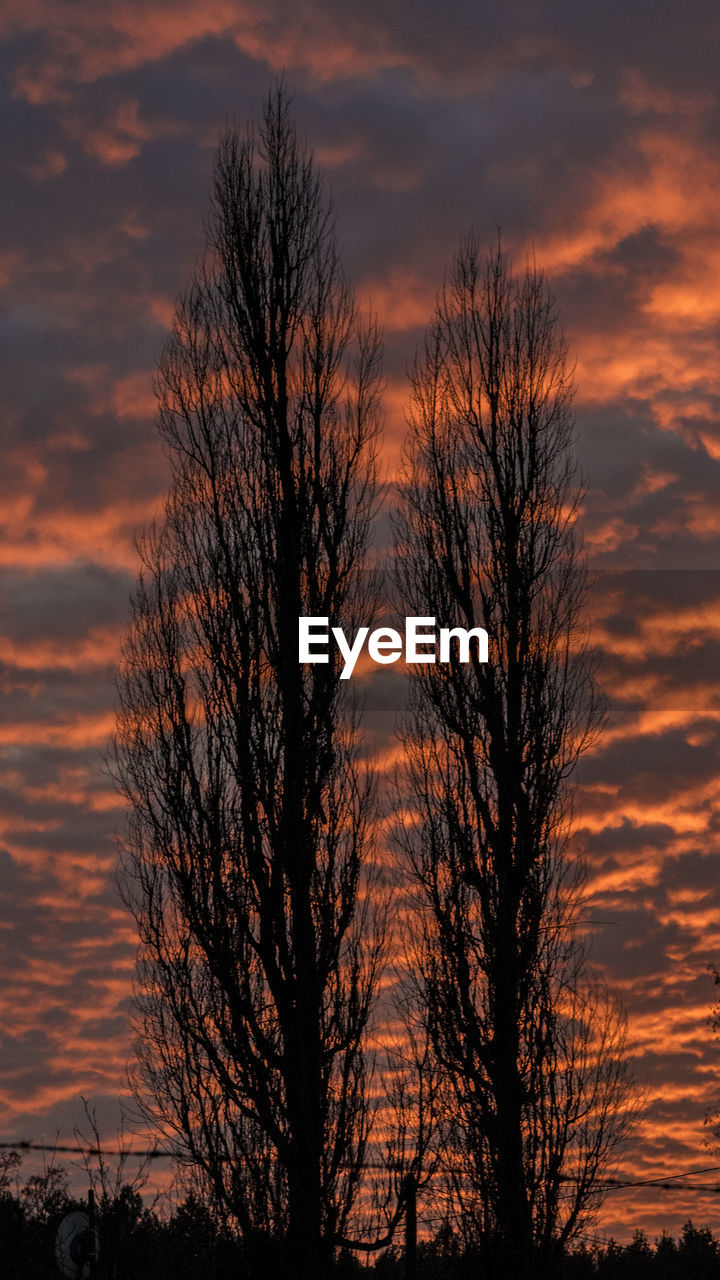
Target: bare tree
117, 1204
248, 855
532, 1056
10, 1162
712, 1115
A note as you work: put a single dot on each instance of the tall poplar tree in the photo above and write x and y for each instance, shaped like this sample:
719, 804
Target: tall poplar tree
530, 1053
247, 862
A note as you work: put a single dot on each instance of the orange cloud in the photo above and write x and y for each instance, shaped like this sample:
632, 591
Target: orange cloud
671, 184
10, 261
401, 299
610, 534
667, 632
85, 43
641, 96
75, 732
99, 648
52, 164
116, 140
666, 351
34, 539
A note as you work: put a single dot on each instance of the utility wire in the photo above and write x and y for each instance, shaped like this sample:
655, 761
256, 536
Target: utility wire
155, 1154
665, 1182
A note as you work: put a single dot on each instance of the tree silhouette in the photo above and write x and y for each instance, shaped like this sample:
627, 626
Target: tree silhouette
247, 856
532, 1056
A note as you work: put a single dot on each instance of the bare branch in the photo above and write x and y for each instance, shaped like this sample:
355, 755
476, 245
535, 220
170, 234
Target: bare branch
249, 849
530, 1055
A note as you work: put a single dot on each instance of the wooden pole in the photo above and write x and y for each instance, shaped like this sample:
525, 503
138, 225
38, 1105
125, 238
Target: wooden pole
410, 1227
91, 1232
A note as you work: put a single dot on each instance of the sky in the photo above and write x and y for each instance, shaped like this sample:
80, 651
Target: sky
590, 134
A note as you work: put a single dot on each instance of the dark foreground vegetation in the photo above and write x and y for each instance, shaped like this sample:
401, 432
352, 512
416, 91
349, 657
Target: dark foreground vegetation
187, 1243
694, 1256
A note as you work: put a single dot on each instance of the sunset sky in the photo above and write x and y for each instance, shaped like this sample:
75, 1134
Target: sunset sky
590, 134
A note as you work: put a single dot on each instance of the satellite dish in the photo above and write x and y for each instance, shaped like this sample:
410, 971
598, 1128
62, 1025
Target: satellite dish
75, 1247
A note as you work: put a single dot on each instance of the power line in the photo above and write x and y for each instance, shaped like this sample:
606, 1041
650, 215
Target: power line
155, 1154
665, 1182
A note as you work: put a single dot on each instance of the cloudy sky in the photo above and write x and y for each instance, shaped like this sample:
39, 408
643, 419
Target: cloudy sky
591, 135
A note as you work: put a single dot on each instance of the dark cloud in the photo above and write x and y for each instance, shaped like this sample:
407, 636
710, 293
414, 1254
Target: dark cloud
589, 135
